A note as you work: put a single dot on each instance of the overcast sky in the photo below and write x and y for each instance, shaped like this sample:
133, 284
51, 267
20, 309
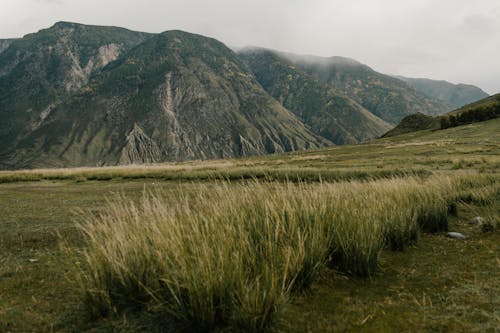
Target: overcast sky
454, 40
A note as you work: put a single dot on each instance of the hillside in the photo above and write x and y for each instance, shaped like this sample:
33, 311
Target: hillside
454, 95
328, 113
42, 70
485, 109
491, 102
175, 96
386, 97
414, 122
80, 95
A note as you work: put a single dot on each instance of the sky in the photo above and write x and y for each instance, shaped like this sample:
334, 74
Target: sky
453, 40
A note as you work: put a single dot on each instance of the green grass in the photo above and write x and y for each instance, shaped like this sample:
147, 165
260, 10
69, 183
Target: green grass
199, 249
472, 147
439, 285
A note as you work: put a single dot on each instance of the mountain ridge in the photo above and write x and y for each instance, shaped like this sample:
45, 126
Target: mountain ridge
454, 95
147, 101
386, 97
328, 113
84, 95
42, 69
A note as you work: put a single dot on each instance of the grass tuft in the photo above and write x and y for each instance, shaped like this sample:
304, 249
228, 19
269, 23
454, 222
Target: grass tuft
229, 256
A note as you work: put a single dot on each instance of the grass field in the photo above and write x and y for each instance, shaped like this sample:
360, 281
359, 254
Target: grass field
246, 256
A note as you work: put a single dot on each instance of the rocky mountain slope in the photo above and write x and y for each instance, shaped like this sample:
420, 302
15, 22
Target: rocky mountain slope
454, 95
79, 95
327, 112
41, 70
174, 96
386, 97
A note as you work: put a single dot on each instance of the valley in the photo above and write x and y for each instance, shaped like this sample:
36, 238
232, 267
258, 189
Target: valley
436, 283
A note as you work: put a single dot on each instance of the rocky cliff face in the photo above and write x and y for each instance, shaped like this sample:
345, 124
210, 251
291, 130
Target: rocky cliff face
176, 96
139, 148
327, 112
44, 69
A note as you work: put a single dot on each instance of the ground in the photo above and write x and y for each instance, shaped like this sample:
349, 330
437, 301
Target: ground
440, 284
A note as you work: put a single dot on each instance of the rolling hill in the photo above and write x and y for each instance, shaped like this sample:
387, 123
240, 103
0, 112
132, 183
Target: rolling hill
485, 109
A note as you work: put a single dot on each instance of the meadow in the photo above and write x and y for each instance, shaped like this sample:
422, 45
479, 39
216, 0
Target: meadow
341, 239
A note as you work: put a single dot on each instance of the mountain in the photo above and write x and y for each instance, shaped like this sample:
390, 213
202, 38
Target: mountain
43, 69
327, 112
80, 95
168, 97
454, 95
386, 97
485, 109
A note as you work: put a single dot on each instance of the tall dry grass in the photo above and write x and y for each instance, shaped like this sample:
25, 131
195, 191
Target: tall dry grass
231, 255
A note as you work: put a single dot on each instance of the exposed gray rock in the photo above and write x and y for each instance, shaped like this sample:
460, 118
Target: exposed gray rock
139, 148
478, 220
4, 44
456, 235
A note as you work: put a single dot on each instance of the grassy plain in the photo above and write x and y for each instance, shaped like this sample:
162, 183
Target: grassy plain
437, 284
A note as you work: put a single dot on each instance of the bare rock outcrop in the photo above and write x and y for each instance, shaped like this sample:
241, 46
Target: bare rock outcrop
139, 148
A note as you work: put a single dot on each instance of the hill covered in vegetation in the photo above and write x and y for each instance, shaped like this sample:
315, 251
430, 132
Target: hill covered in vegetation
485, 109
386, 97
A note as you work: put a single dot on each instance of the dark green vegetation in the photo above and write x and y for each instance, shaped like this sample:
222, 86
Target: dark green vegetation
485, 109
5, 43
171, 96
454, 95
328, 113
78, 95
417, 153
415, 122
41, 70
434, 284
386, 97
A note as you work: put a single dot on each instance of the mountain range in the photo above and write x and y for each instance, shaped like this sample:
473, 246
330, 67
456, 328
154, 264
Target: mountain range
80, 95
